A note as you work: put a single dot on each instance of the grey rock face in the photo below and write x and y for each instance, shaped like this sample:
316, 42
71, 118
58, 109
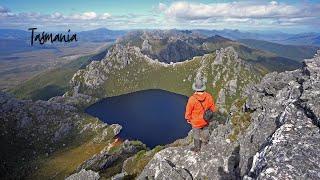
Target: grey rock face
283, 138
282, 141
221, 101
146, 46
119, 176
218, 159
292, 150
84, 175
108, 157
232, 86
268, 100
167, 45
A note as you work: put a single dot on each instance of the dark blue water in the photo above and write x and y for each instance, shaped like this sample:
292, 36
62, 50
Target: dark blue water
155, 117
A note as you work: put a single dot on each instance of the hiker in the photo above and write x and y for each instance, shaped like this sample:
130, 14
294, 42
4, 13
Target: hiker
199, 111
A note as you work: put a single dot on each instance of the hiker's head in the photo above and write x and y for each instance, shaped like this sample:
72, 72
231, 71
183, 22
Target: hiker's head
199, 85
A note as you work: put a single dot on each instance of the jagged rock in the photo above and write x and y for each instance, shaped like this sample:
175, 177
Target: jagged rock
218, 159
268, 100
84, 175
282, 141
221, 101
108, 157
292, 152
219, 56
116, 129
146, 46
119, 176
232, 86
166, 45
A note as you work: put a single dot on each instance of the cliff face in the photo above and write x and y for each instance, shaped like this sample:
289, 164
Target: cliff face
282, 140
166, 45
31, 131
216, 160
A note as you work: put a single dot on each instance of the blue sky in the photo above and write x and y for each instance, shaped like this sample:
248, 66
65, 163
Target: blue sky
286, 16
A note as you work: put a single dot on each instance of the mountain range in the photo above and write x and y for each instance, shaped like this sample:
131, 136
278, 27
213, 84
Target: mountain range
165, 46
311, 39
21, 38
267, 100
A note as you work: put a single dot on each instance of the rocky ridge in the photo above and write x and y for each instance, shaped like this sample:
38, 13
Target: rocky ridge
41, 128
166, 45
282, 140
171, 46
127, 69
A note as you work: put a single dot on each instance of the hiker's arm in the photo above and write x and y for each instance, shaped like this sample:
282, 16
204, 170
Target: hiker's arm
189, 109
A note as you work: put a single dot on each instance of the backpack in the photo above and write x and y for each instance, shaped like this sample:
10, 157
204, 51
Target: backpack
208, 113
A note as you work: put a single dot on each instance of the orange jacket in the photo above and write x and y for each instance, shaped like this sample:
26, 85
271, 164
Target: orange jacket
194, 111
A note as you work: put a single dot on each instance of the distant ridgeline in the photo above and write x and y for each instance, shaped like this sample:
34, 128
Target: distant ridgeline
44, 37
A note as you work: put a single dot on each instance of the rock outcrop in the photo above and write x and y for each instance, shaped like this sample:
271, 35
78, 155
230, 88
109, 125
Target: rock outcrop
30, 130
282, 140
166, 45
216, 160
85, 175
111, 156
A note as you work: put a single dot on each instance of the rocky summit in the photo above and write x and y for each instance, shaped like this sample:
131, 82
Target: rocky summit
282, 141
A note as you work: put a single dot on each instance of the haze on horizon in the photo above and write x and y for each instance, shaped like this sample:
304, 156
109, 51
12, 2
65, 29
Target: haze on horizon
283, 15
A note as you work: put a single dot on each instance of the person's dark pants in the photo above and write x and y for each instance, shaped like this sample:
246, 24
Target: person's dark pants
200, 136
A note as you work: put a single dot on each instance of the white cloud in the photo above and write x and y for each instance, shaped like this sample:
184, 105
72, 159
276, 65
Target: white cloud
273, 9
56, 15
238, 14
84, 16
179, 14
105, 16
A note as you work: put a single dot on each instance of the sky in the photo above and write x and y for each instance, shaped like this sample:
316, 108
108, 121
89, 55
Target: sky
282, 15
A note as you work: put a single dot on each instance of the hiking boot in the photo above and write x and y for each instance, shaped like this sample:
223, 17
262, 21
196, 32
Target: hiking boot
205, 142
197, 145
194, 149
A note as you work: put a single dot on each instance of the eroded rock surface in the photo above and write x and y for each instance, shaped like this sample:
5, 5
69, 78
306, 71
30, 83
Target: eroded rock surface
282, 140
84, 174
217, 159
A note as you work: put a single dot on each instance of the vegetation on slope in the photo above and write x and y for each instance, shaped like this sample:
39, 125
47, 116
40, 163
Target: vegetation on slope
53, 82
32, 133
141, 73
65, 161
